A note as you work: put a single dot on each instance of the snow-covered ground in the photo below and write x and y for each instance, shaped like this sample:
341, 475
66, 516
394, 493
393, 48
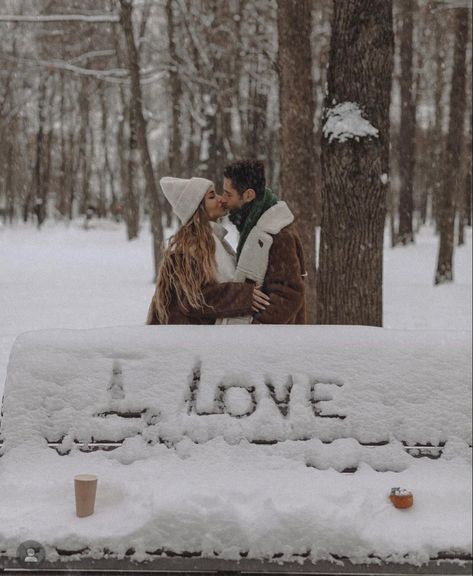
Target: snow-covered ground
226, 495
66, 277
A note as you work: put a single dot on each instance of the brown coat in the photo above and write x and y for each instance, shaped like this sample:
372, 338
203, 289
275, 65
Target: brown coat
284, 280
226, 300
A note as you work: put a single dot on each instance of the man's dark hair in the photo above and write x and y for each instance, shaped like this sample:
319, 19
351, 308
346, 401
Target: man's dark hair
246, 174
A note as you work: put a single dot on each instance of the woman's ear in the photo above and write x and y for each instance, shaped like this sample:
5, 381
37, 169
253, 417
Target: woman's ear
249, 195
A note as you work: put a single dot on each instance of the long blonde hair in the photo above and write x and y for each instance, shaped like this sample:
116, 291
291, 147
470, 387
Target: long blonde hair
188, 264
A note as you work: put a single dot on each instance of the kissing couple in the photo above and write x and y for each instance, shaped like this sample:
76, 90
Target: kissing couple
202, 280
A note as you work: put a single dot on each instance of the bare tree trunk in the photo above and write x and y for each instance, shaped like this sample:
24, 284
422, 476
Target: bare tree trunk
129, 155
49, 145
297, 106
62, 200
10, 183
38, 186
464, 191
108, 170
420, 175
256, 130
452, 179
151, 188
468, 191
408, 127
70, 182
122, 148
195, 134
321, 15
219, 101
175, 159
355, 170
440, 82
93, 203
82, 179
132, 198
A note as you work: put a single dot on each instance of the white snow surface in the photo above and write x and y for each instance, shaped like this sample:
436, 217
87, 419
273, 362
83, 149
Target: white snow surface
67, 277
223, 499
223, 495
344, 121
188, 477
283, 383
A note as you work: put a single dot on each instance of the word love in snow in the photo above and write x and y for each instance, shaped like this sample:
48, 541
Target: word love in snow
238, 399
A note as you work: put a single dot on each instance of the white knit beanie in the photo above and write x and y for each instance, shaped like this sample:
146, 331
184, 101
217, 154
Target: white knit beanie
185, 195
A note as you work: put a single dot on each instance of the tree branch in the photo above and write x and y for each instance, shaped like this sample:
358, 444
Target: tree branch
101, 18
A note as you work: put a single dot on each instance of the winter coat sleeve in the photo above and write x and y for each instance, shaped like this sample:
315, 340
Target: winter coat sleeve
226, 300
284, 282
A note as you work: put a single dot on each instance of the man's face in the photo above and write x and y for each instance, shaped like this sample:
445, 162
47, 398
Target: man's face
232, 199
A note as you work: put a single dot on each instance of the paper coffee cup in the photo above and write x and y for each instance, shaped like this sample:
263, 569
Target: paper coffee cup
85, 487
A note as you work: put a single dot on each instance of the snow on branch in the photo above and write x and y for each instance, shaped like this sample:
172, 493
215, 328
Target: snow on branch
344, 121
452, 4
100, 18
116, 74
93, 54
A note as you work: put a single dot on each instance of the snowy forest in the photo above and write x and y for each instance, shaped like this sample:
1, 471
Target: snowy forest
302, 168
100, 98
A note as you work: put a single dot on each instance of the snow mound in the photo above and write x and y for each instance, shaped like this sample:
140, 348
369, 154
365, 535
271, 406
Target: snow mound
345, 121
260, 384
233, 440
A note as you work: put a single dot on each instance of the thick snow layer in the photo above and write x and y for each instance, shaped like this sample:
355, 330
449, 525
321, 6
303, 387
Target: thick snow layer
344, 122
258, 383
232, 499
188, 477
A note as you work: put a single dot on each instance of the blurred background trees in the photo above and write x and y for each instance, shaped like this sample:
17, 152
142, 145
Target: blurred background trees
100, 98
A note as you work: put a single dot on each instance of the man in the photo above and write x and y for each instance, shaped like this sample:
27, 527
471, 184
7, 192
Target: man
269, 251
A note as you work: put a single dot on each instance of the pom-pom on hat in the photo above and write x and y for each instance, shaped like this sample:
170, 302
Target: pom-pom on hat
184, 194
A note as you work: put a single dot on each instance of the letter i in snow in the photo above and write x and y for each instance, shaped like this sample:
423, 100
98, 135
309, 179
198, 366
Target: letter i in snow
116, 383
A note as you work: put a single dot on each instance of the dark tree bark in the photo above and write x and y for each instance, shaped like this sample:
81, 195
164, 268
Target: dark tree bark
195, 136
132, 197
257, 145
9, 184
441, 31
296, 105
61, 202
175, 158
70, 182
468, 191
108, 169
82, 183
464, 192
355, 171
128, 153
38, 184
141, 128
218, 109
408, 126
47, 181
452, 160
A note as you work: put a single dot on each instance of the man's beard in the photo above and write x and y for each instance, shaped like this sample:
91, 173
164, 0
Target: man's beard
238, 217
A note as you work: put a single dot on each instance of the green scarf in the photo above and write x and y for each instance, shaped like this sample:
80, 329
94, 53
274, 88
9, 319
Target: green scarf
246, 217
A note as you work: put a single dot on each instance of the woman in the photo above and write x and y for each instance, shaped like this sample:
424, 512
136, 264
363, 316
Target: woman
195, 277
